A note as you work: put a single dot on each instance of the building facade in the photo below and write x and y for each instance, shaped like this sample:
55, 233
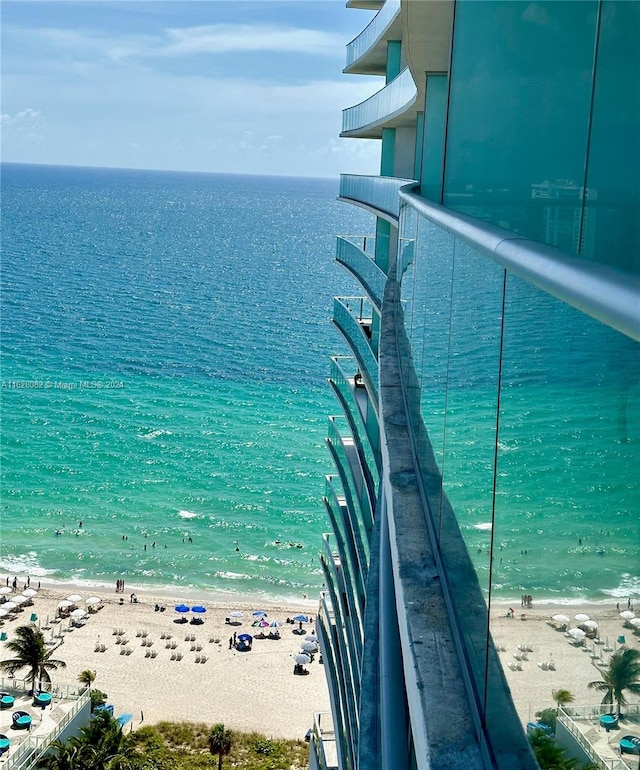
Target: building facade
490, 396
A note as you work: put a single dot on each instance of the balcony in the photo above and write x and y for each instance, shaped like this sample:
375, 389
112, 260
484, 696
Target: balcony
377, 194
388, 108
367, 53
356, 330
366, 5
363, 268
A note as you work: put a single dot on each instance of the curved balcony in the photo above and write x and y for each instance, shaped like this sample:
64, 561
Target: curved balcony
360, 413
367, 53
388, 108
363, 268
336, 506
377, 194
352, 329
361, 493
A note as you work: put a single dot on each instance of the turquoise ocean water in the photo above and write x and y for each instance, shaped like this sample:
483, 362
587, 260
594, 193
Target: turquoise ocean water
165, 347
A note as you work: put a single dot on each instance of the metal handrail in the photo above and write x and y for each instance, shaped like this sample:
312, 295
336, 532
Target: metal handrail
609, 295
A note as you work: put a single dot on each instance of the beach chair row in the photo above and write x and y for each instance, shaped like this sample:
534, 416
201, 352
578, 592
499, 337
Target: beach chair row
142, 633
147, 643
118, 631
125, 651
151, 653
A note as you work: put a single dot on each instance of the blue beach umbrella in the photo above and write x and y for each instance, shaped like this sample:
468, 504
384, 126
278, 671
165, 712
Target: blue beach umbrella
301, 619
198, 608
245, 637
182, 608
259, 614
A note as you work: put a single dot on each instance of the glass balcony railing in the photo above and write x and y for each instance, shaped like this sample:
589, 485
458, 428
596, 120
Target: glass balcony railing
376, 193
353, 328
396, 97
365, 424
363, 268
372, 33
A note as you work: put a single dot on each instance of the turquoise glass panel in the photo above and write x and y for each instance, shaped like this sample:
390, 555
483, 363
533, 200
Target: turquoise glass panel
519, 115
433, 141
611, 229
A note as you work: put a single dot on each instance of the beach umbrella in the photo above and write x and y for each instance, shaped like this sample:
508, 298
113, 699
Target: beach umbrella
276, 624
301, 619
560, 618
589, 624
236, 614
308, 647
576, 633
259, 614
93, 600
79, 613
3, 613
198, 608
74, 598
8, 606
65, 604
311, 638
19, 599
182, 608
627, 615
302, 658
5, 590
245, 637
29, 592
635, 622
581, 617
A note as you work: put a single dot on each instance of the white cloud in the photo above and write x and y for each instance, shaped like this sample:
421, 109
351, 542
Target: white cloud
223, 38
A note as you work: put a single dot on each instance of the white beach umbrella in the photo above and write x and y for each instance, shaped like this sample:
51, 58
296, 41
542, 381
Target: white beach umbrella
79, 613
590, 624
10, 606
577, 633
74, 598
627, 615
308, 647
3, 613
302, 658
5, 590
581, 617
311, 638
19, 599
236, 614
29, 592
93, 600
65, 604
635, 622
560, 618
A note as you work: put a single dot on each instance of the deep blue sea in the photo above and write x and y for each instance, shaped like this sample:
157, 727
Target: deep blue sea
176, 330
165, 347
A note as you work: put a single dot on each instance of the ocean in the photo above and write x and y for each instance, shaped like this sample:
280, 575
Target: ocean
165, 347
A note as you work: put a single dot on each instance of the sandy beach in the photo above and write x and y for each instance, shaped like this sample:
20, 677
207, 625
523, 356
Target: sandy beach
257, 690
574, 667
254, 690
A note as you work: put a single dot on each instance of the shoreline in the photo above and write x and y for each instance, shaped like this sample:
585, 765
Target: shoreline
193, 674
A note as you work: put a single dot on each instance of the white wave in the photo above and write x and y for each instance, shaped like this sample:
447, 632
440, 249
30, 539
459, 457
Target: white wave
629, 586
27, 563
233, 575
187, 515
155, 434
485, 525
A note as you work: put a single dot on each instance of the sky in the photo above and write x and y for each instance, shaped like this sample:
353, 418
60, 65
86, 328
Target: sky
247, 86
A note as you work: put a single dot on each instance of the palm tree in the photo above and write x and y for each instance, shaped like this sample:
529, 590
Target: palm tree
219, 742
87, 677
30, 651
623, 674
562, 697
100, 745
